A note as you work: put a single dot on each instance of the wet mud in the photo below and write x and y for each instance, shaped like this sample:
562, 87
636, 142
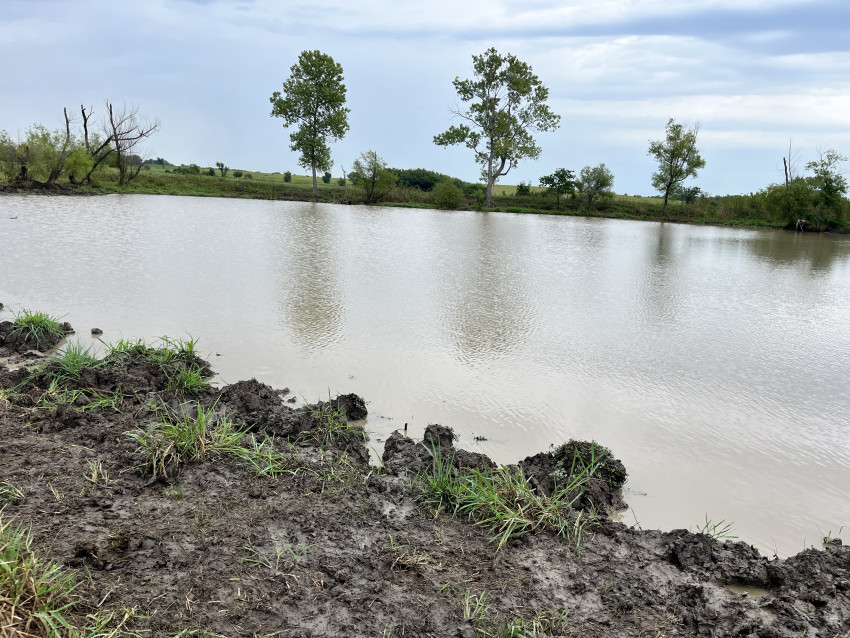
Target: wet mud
334, 544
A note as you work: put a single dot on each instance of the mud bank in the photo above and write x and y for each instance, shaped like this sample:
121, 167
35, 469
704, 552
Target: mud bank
304, 537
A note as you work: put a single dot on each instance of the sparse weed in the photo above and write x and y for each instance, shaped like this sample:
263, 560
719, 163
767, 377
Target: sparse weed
475, 609
37, 326
264, 458
542, 624
98, 400
286, 556
97, 474
331, 424
10, 492
719, 530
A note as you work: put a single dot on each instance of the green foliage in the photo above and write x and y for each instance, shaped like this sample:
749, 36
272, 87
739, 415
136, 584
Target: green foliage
561, 182
211, 171
448, 196
523, 189
222, 168
790, 203
191, 169
370, 173
313, 99
237, 174
326, 178
677, 156
507, 104
420, 178
595, 182
287, 177
830, 183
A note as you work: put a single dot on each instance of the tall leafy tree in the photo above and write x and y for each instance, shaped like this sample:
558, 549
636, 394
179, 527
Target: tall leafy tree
313, 99
677, 156
507, 103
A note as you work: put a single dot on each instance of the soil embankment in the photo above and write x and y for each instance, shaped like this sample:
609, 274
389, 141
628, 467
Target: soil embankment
301, 536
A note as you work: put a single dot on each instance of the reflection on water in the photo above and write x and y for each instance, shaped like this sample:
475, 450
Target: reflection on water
485, 304
712, 360
307, 258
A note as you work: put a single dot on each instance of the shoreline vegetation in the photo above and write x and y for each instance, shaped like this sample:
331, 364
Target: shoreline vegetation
751, 210
136, 499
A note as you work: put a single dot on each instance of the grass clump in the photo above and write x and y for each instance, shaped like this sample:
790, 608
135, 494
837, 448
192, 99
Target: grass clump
187, 438
37, 326
503, 500
71, 361
34, 594
201, 433
188, 380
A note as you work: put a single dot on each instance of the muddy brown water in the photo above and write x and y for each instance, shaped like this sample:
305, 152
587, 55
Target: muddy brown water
713, 361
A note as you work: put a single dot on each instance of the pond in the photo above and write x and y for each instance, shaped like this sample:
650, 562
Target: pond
714, 362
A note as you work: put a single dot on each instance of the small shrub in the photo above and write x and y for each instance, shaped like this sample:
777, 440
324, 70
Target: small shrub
211, 171
248, 176
237, 174
340, 181
287, 177
523, 189
448, 196
326, 178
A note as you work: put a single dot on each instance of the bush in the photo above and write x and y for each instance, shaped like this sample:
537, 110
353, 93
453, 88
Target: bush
287, 177
237, 174
248, 176
523, 189
326, 178
211, 171
341, 181
448, 196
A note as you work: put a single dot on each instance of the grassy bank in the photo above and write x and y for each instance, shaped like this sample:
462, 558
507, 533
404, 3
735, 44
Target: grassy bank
730, 210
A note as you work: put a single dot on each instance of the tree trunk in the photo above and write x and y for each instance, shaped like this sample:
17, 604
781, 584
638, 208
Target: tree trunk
666, 196
315, 183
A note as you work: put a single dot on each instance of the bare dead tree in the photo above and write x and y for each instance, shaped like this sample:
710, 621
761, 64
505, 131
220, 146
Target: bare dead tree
126, 130
790, 164
97, 148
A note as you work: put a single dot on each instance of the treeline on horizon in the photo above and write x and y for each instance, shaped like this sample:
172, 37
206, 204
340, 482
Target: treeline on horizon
100, 157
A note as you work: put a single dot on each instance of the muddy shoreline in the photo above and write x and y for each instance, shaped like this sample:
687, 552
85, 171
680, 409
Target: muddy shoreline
328, 544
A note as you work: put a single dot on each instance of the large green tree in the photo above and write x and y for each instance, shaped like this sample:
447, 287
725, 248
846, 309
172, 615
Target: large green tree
677, 156
313, 99
507, 103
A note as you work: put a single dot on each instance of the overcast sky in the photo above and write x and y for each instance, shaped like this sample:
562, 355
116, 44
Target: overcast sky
755, 74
